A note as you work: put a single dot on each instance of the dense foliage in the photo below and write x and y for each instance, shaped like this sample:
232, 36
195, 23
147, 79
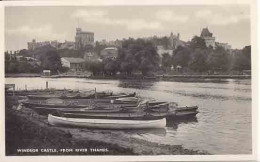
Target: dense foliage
196, 57
51, 61
134, 56
48, 60
138, 56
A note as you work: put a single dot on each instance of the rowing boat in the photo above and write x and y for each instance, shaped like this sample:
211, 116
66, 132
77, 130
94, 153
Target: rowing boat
186, 108
106, 123
89, 110
182, 112
136, 115
107, 95
50, 103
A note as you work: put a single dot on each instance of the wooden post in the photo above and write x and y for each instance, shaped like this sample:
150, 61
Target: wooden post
46, 84
13, 89
26, 87
95, 93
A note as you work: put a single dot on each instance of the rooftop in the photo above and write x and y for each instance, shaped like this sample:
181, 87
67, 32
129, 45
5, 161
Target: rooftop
205, 33
74, 59
110, 48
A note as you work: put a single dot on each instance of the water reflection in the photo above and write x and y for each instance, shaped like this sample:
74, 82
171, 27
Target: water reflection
158, 132
137, 84
170, 124
173, 123
223, 125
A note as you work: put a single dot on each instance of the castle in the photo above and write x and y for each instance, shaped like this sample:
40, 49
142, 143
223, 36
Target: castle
208, 38
83, 38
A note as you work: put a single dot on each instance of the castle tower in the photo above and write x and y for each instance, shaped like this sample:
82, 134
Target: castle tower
174, 41
208, 37
83, 38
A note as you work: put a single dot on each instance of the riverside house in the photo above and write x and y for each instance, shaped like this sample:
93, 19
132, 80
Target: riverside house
73, 63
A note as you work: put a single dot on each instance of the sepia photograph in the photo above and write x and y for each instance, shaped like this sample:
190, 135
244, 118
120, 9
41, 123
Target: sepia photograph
128, 80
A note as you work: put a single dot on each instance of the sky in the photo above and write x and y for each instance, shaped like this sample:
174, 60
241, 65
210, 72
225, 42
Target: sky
228, 23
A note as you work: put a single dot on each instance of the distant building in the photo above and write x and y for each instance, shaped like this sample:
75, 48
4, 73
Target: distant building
32, 45
46, 72
161, 50
116, 43
109, 53
54, 43
174, 41
208, 38
66, 45
90, 56
83, 38
226, 46
73, 63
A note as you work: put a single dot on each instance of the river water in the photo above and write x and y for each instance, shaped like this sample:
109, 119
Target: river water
222, 126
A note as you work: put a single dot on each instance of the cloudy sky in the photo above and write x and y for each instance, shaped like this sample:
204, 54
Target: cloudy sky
229, 23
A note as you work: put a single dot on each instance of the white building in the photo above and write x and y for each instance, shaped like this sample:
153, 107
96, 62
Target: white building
73, 63
161, 50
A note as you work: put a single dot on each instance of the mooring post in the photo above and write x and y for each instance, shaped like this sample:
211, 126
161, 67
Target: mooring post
46, 84
13, 89
95, 93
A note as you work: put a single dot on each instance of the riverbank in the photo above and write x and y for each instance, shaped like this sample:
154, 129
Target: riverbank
22, 75
25, 129
157, 77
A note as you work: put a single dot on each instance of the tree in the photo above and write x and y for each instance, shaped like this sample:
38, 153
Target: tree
24, 53
242, 59
88, 48
51, 61
110, 66
165, 42
138, 55
98, 48
198, 42
219, 60
126, 61
96, 67
166, 60
181, 56
199, 59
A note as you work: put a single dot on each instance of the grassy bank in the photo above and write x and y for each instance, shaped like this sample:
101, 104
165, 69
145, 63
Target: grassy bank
25, 129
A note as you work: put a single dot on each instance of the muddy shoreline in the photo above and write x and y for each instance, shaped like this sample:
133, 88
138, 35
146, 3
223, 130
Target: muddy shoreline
25, 129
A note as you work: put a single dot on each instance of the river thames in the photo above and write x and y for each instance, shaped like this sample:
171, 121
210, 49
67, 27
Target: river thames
222, 126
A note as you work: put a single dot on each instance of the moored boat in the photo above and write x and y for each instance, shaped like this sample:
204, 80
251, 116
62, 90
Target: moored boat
186, 114
88, 110
106, 123
182, 112
57, 103
186, 108
97, 95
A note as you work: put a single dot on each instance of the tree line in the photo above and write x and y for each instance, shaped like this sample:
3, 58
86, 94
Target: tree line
197, 58
140, 56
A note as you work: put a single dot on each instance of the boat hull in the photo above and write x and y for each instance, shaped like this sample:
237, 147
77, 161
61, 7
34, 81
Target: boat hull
106, 123
99, 95
117, 116
31, 104
49, 110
